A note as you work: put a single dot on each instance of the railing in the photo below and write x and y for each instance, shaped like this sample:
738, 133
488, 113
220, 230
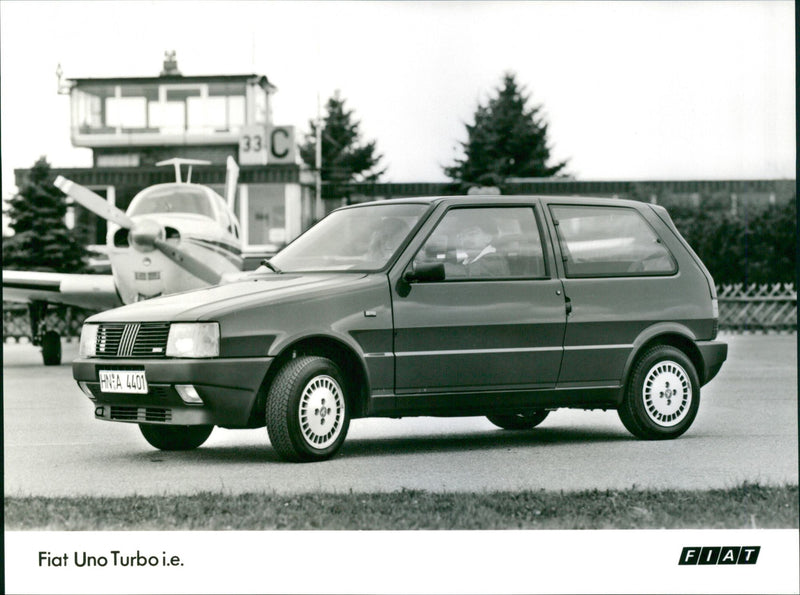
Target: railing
65, 320
759, 308
762, 308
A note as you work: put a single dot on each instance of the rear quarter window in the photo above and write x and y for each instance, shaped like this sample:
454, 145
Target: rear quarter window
614, 241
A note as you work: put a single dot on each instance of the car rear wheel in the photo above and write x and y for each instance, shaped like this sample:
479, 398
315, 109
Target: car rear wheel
519, 421
307, 411
662, 396
165, 437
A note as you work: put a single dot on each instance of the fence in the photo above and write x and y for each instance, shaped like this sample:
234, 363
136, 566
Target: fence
65, 320
760, 308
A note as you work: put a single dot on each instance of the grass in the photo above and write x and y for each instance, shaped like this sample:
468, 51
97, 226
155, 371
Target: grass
744, 506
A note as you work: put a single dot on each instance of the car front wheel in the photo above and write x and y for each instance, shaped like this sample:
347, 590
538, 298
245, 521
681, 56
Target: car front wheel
175, 437
307, 412
519, 421
662, 396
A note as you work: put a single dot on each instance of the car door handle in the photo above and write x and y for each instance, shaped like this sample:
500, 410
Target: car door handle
568, 305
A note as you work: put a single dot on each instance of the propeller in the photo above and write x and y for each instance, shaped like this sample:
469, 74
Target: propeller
188, 262
94, 202
231, 177
145, 235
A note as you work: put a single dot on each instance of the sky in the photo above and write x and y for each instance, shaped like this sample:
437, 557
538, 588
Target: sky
631, 90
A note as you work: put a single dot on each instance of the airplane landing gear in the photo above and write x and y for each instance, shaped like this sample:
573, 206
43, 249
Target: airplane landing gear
48, 340
51, 348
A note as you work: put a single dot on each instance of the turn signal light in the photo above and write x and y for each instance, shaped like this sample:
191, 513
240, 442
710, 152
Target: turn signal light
85, 388
189, 394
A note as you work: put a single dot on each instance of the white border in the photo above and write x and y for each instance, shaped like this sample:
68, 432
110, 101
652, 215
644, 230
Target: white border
641, 561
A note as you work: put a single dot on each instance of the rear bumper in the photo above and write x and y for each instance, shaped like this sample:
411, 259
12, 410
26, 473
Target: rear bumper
714, 354
228, 388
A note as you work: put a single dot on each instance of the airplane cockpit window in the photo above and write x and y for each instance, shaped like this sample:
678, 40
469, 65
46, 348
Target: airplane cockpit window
183, 200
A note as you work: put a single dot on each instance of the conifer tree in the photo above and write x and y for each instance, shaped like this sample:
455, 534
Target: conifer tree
344, 157
41, 240
507, 139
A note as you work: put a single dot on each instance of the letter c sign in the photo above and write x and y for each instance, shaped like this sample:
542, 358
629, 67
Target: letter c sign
282, 146
259, 145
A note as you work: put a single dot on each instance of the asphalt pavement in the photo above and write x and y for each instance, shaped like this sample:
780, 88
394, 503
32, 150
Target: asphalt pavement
746, 430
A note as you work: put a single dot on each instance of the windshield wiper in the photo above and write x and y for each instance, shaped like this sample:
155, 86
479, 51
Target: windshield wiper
271, 266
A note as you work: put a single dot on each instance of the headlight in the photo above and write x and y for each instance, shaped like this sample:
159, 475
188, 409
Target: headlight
193, 339
89, 340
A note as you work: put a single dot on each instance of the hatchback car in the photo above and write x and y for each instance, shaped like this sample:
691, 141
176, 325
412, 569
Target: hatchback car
507, 307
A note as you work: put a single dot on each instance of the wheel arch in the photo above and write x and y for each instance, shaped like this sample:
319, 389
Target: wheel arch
674, 335
332, 348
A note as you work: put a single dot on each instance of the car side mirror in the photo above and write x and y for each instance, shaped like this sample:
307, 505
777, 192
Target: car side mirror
424, 273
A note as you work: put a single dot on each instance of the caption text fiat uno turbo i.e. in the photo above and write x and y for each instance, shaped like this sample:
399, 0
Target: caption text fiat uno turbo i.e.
504, 306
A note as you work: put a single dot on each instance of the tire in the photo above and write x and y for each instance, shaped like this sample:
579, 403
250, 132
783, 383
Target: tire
662, 395
51, 348
307, 411
519, 421
165, 437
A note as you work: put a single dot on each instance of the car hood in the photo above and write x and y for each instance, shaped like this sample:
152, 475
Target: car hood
207, 303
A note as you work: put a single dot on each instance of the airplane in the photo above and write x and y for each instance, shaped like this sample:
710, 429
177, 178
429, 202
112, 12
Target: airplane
173, 237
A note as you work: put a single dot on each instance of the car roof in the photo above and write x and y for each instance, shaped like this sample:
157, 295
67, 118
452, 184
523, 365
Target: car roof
481, 199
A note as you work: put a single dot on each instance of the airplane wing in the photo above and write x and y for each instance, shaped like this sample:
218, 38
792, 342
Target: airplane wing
94, 292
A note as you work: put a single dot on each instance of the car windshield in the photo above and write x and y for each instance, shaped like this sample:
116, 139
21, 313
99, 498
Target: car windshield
358, 239
173, 200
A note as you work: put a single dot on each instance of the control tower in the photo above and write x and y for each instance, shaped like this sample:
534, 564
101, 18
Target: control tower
131, 123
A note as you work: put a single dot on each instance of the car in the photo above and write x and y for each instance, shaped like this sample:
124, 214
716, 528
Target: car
508, 307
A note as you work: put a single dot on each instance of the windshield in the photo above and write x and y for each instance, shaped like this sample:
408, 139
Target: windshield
173, 200
359, 239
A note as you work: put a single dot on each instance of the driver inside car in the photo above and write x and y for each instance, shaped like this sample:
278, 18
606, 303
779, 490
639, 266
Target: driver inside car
478, 253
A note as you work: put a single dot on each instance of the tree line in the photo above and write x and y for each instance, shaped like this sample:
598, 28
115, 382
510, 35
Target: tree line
755, 244
508, 139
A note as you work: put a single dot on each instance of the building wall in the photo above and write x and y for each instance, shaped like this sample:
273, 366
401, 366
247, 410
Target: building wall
149, 156
652, 191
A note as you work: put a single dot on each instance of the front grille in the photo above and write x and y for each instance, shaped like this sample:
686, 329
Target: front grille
145, 339
151, 340
140, 414
108, 338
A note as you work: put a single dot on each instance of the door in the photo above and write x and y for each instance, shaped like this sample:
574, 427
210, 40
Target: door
619, 278
495, 322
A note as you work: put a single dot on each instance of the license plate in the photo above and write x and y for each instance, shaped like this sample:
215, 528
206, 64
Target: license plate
123, 381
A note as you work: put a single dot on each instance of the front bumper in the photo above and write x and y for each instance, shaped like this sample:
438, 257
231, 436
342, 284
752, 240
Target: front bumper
714, 354
228, 388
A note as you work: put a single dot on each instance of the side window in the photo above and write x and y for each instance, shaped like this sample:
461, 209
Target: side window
486, 243
609, 241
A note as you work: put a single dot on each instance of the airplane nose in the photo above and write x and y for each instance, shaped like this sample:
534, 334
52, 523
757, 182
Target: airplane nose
144, 234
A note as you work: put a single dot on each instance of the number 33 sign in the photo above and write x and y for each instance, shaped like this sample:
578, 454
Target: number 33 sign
260, 145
